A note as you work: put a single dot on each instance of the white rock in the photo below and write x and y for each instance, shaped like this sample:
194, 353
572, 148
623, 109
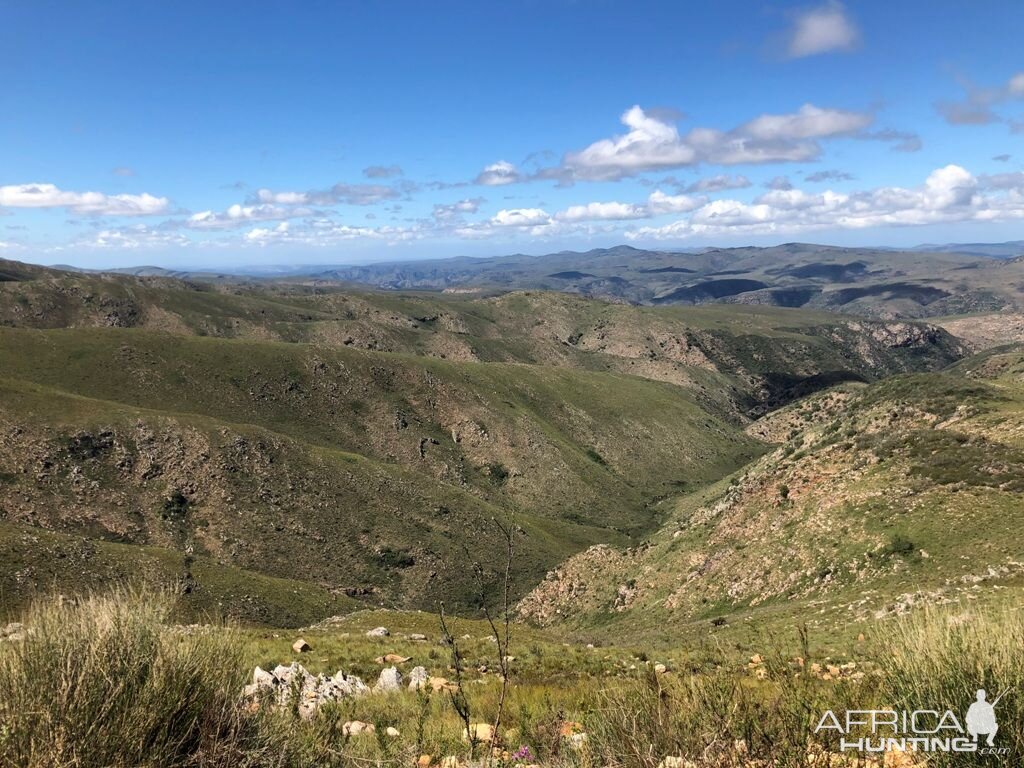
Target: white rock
390, 680
418, 678
378, 632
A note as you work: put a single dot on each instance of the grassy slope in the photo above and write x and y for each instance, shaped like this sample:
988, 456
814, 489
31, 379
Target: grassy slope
904, 492
305, 463
351, 440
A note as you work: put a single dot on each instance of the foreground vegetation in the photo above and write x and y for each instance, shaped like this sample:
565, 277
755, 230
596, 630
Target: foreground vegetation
109, 681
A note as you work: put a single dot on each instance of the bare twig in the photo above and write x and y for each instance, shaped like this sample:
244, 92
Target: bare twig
458, 697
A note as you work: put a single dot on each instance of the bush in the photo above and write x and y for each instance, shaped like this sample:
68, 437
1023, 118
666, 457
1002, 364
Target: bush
899, 545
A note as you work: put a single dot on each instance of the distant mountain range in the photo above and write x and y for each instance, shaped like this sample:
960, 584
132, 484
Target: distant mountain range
1008, 250
924, 281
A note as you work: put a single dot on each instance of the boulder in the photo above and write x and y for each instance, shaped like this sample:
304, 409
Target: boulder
378, 632
357, 727
390, 680
417, 637
262, 678
418, 678
392, 732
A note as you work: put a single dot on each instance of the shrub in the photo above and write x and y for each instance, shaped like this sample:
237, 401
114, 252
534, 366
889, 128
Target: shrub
899, 545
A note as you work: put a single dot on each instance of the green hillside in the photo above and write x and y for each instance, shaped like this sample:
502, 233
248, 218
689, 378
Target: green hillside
362, 443
876, 499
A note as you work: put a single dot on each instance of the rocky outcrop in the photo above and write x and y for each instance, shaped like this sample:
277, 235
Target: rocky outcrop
285, 684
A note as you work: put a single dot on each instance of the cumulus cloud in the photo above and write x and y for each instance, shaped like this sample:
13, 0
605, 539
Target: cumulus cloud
88, 203
382, 171
241, 215
822, 30
948, 194
520, 217
658, 202
602, 212
533, 221
498, 174
977, 107
651, 144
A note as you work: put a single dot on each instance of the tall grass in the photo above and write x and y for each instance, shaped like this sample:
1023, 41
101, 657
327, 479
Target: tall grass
104, 682
717, 718
938, 659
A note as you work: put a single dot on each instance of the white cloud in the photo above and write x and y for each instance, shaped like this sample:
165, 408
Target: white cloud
649, 144
658, 202
821, 30
454, 211
240, 215
88, 203
347, 194
652, 144
948, 194
603, 212
282, 198
520, 217
809, 122
263, 235
498, 174
138, 237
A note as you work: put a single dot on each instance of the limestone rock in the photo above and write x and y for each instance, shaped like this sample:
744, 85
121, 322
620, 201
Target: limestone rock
390, 680
357, 727
418, 678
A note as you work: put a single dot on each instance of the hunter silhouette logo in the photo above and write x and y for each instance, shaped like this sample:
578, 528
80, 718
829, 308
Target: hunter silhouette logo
981, 717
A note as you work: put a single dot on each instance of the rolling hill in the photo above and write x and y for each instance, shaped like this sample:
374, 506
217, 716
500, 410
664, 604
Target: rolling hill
252, 440
875, 499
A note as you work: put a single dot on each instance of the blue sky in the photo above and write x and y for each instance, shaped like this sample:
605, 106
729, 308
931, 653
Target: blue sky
214, 134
